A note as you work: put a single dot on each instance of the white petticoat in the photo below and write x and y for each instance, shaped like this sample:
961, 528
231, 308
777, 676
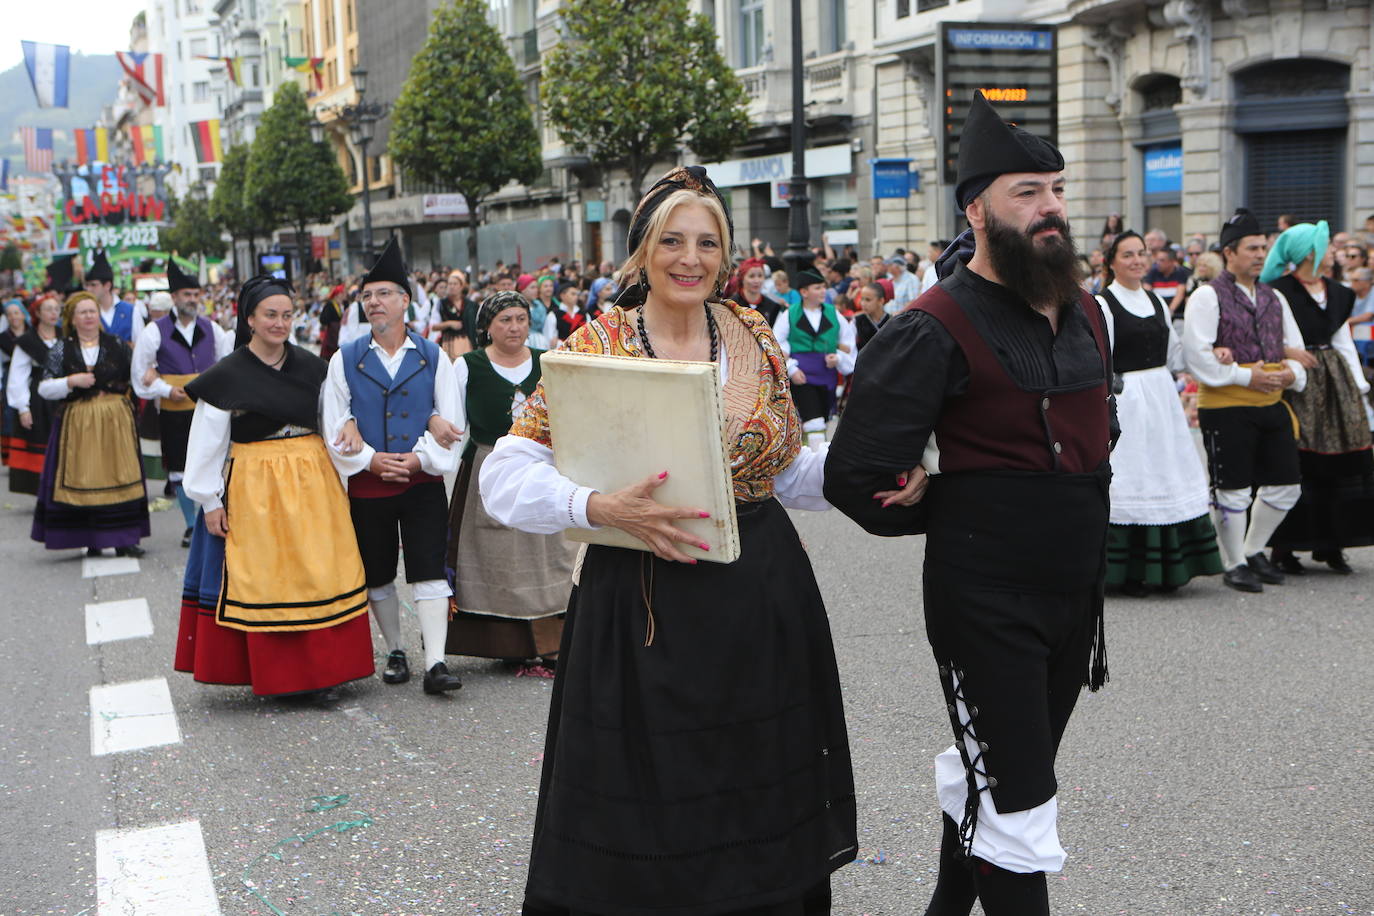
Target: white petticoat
1157, 475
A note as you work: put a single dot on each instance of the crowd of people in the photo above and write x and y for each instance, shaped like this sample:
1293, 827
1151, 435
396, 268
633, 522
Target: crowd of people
1056, 425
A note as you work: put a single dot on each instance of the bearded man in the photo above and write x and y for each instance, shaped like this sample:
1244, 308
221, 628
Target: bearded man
982, 417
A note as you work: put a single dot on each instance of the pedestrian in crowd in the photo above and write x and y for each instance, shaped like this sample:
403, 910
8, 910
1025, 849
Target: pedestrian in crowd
1156, 240
543, 312
1286, 221
750, 276
510, 587
168, 354
837, 278
1161, 534
331, 321
570, 315
871, 315
783, 284
819, 345
1235, 337
1193, 250
389, 407
16, 324
92, 493
117, 317
274, 593
453, 314
1167, 278
697, 712
905, 286
1362, 311
999, 379
1336, 509
1114, 225
33, 412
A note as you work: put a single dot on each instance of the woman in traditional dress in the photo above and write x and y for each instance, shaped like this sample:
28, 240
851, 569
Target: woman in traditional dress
92, 493
273, 594
696, 760
751, 274
33, 414
510, 588
1337, 505
454, 338
1161, 535
16, 324
543, 314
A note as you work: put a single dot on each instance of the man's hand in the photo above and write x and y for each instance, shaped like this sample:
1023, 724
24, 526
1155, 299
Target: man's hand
798, 377
831, 360
217, 522
393, 467
913, 487
1266, 381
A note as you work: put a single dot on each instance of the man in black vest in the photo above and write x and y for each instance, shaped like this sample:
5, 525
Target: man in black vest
982, 417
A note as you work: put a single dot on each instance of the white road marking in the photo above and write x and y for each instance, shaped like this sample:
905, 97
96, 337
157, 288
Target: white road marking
109, 621
108, 566
154, 871
127, 717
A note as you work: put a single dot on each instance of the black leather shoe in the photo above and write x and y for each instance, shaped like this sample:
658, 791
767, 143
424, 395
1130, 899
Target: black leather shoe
133, 550
397, 668
437, 679
186, 538
1335, 559
1290, 564
1268, 573
94, 552
169, 490
1243, 579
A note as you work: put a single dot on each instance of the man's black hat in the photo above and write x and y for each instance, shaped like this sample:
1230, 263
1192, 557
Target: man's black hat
176, 279
60, 274
809, 277
989, 147
1240, 225
390, 268
100, 268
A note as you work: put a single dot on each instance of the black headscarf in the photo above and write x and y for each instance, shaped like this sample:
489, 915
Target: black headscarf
989, 147
689, 178
494, 305
250, 294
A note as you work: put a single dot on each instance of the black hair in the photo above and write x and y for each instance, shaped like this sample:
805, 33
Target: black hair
1111, 251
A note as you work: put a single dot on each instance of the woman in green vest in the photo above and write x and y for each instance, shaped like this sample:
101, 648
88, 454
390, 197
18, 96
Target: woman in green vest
510, 588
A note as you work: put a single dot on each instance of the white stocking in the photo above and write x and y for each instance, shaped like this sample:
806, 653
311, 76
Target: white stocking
1228, 517
433, 614
386, 610
1268, 513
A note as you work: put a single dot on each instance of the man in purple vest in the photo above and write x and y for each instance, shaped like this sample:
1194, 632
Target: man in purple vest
169, 353
1246, 427
982, 416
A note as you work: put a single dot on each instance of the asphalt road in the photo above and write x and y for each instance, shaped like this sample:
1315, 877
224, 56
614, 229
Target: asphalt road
1223, 770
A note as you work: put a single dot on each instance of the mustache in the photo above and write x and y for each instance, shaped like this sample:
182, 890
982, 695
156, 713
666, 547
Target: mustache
1050, 222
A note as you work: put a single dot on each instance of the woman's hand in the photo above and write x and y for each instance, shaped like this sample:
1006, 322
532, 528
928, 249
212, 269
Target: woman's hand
798, 377
444, 432
26, 420
1224, 355
634, 511
349, 441
217, 522
913, 488
150, 376
81, 380
1300, 355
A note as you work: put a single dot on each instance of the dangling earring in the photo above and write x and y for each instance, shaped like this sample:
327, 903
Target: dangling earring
644, 279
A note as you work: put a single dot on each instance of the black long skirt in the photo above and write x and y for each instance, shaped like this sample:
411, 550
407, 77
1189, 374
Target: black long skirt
709, 772
1337, 505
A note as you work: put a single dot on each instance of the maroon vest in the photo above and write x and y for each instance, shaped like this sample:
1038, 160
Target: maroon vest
997, 426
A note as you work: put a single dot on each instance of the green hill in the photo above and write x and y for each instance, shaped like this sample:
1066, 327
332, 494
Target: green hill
93, 84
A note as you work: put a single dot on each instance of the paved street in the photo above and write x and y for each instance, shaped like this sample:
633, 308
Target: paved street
1222, 771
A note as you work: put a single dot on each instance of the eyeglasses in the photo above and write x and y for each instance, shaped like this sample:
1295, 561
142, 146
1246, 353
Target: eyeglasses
378, 294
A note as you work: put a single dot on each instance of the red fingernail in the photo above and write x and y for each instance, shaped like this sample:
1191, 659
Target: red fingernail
704, 546
663, 475
693, 562
705, 515
901, 481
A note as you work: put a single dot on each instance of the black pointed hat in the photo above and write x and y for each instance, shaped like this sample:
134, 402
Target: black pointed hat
176, 279
1241, 224
60, 274
390, 268
100, 268
989, 146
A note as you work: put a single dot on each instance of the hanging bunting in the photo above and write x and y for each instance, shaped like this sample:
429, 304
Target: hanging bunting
144, 71
49, 67
313, 65
233, 67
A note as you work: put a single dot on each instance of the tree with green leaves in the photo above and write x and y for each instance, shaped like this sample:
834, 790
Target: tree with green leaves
631, 81
10, 258
292, 180
193, 233
231, 207
462, 120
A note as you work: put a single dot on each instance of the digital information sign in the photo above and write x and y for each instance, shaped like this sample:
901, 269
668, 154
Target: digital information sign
1013, 64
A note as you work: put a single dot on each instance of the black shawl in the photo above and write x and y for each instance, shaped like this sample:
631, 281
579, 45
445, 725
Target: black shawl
243, 382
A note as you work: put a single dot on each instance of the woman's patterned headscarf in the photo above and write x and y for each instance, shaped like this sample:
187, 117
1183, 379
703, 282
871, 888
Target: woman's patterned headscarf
494, 305
689, 178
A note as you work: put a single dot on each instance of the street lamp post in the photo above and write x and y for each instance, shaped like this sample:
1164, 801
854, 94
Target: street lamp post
359, 117
798, 255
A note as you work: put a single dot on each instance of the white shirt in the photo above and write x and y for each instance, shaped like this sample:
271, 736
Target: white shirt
783, 326
522, 489
1137, 302
337, 409
1200, 335
929, 278
107, 315
21, 373
149, 341
55, 389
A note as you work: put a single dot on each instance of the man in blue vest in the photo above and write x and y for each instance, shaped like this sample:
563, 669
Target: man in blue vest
381, 399
116, 316
168, 353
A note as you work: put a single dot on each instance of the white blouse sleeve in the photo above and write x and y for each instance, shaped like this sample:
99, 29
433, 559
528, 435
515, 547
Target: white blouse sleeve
1344, 344
17, 390
522, 489
434, 458
799, 486
54, 389
224, 341
845, 363
206, 451
1109, 320
336, 409
146, 346
1292, 337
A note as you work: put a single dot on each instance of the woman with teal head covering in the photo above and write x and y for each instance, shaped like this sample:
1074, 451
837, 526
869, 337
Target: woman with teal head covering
1294, 246
1337, 505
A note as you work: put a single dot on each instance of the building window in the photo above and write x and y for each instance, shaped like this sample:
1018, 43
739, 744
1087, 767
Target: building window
903, 8
750, 33
832, 26
256, 81
200, 47
923, 5
200, 92
207, 174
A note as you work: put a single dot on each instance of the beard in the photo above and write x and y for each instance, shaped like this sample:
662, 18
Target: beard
1041, 272
187, 312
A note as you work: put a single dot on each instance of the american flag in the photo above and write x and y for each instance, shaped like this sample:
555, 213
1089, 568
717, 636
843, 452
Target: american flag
37, 148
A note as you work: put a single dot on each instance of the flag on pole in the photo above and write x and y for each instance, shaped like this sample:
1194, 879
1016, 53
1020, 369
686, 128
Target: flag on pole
233, 67
205, 134
147, 141
92, 145
313, 65
4, 174
49, 67
144, 71
37, 148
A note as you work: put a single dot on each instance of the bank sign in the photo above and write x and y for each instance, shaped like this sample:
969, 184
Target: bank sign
1164, 168
821, 162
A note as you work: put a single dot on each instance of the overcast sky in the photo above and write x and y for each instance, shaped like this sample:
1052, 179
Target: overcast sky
88, 26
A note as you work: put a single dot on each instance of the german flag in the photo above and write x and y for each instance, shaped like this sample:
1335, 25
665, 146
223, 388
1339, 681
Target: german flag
205, 134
